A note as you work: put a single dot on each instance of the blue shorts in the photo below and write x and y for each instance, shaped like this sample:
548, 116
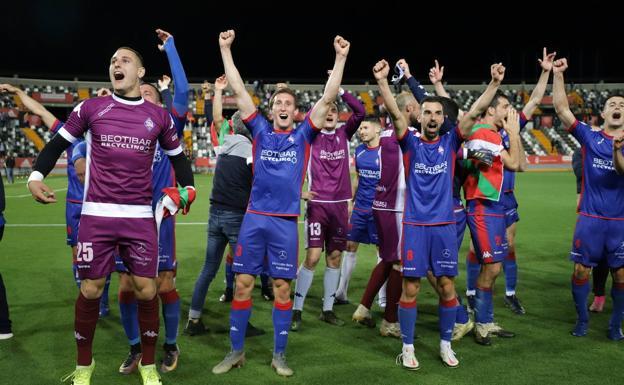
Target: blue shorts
427, 248
460, 224
166, 249
509, 202
489, 237
596, 239
72, 219
270, 240
362, 227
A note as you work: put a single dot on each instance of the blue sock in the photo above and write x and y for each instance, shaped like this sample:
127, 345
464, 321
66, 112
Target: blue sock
617, 294
447, 312
264, 280
104, 297
462, 313
473, 268
171, 314
407, 319
580, 292
484, 307
511, 273
239, 317
129, 319
229, 274
282, 315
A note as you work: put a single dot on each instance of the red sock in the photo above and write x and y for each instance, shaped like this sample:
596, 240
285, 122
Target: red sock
87, 312
393, 294
148, 325
375, 282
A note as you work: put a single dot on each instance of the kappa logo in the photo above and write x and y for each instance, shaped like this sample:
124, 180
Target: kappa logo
234, 328
282, 255
149, 124
78, 336
441, 150
291, 139
150, 333
487, 255
141, 247
283, 333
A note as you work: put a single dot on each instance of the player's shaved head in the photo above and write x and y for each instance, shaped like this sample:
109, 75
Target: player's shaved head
136, 54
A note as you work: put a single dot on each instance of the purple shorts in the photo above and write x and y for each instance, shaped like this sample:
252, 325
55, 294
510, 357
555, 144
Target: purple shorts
326, 225
267, 244
166, 249
389, 229
100, 237
596, 239
489, 237
427, 248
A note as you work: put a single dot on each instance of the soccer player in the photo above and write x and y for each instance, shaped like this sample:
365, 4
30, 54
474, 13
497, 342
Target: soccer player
329, 184
269, 228
429, 233
121, 131
486, 215
599, 232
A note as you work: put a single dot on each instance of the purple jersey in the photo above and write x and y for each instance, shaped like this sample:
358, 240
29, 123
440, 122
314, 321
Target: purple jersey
509, 177
602, 193
121, 139
75, 189
390, 192
279, 165
429, 177
328, 173
368, 173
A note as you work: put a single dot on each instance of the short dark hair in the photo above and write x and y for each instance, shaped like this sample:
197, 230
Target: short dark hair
433, 99
495, 101
618, 95
451, 109
160, 98
134, 51
284, 90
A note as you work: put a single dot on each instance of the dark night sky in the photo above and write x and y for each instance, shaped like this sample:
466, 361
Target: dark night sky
64, 39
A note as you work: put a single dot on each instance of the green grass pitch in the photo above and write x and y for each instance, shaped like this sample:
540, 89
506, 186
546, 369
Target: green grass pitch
36, 266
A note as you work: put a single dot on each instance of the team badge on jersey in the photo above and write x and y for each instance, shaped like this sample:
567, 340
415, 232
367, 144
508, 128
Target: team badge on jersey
149, 124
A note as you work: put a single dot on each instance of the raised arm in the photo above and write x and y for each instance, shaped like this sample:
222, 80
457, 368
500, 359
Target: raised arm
414, 85
217, 102
560, 98
180, 82
381, 71
478, 108
436, 73
243, 99
546, 62
163, 87
358, 115
207, 91
320, 109
31, 104
618, 157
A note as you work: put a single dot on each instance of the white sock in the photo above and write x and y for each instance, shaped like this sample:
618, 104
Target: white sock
408, 346
304, 281
509, 293
330, 284
346, 270
381, 296
471, 292
445, 344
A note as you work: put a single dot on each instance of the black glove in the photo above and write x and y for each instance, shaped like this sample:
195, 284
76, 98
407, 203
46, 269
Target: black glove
482, 156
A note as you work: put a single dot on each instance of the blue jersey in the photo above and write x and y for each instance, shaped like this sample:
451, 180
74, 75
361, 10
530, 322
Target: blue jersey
429, 170
509, 177
368, 173
279, 165
75, 189
602, 193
